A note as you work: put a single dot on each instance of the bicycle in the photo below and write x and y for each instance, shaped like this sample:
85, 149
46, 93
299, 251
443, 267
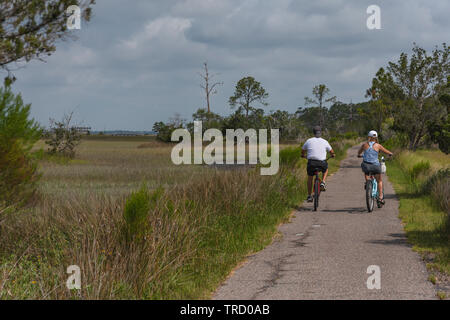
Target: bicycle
372, 190
316, 188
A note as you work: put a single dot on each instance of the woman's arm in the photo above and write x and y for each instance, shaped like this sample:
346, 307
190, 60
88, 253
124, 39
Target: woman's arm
361, 150
383, 149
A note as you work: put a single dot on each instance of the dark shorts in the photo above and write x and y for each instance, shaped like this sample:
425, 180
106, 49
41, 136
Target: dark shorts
316, 165
371, 168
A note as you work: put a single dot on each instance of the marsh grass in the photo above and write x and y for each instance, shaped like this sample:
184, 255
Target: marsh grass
421, 181
176, 238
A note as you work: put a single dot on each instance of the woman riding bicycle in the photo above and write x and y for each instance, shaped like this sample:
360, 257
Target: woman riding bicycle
371, 164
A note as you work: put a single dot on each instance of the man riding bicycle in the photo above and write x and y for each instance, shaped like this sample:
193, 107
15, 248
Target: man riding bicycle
370, 163
316, 149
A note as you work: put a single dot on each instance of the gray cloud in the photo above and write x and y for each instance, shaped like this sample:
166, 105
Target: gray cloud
136, 62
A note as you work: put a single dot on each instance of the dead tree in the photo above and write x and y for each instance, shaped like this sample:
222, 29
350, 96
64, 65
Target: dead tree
209, 88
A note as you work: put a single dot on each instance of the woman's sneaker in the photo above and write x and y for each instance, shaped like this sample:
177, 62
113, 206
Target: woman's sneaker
323, 186
309, 199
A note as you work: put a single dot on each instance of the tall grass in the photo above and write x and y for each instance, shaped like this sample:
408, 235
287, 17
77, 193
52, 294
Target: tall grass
438, 186
428, 174
421, 180
176, 238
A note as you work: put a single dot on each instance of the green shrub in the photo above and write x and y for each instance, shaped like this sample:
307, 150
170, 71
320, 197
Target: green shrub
137, 211
18, 134
440, 133
42, 155
351, 135
442, 174
332, 137
290, 156
419, 169
440, 194
164, 131
63, 137
397, 141
438, 186
18, 175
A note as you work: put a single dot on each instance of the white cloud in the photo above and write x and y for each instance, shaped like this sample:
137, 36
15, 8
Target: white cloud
200, 7
166, 29
359, 71
144, 68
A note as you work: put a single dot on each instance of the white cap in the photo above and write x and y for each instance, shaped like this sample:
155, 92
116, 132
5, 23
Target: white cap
373, 134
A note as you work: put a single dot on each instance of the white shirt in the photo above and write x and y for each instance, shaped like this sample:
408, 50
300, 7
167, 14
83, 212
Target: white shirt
317, 148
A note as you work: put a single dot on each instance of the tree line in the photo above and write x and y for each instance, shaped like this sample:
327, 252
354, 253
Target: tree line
408, 104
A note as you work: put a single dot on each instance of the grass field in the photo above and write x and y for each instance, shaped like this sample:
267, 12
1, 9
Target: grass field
424, 210
200, 223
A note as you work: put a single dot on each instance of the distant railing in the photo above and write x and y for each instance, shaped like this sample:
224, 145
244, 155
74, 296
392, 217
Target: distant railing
84, 130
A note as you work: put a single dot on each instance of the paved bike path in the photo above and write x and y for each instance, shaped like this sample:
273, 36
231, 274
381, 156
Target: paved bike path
325, 254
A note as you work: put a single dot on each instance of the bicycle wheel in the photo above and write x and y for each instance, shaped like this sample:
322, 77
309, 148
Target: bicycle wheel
369, 197
316, 194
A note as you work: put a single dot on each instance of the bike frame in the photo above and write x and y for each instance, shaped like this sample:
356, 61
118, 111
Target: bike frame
375, 183
318, 180
374, 194
374, 187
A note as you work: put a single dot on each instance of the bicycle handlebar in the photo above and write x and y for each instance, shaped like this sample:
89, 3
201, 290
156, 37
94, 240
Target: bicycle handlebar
389, 155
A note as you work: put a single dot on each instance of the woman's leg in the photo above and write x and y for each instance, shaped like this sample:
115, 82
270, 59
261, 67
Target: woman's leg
380, 186
366, 177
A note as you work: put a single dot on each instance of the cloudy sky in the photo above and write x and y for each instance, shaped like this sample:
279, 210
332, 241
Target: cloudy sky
137, 61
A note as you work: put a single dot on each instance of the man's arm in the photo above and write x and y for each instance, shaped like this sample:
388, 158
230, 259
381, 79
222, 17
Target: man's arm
330, 149
332, 153
305, 146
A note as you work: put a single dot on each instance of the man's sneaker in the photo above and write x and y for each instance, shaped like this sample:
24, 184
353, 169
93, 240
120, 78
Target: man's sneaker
323, 186
309, 199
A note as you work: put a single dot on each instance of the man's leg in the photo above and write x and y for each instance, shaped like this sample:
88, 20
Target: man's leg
310, 180
324, 175
323, 186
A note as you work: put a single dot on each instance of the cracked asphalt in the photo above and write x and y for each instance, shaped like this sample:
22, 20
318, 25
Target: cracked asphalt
325, 254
